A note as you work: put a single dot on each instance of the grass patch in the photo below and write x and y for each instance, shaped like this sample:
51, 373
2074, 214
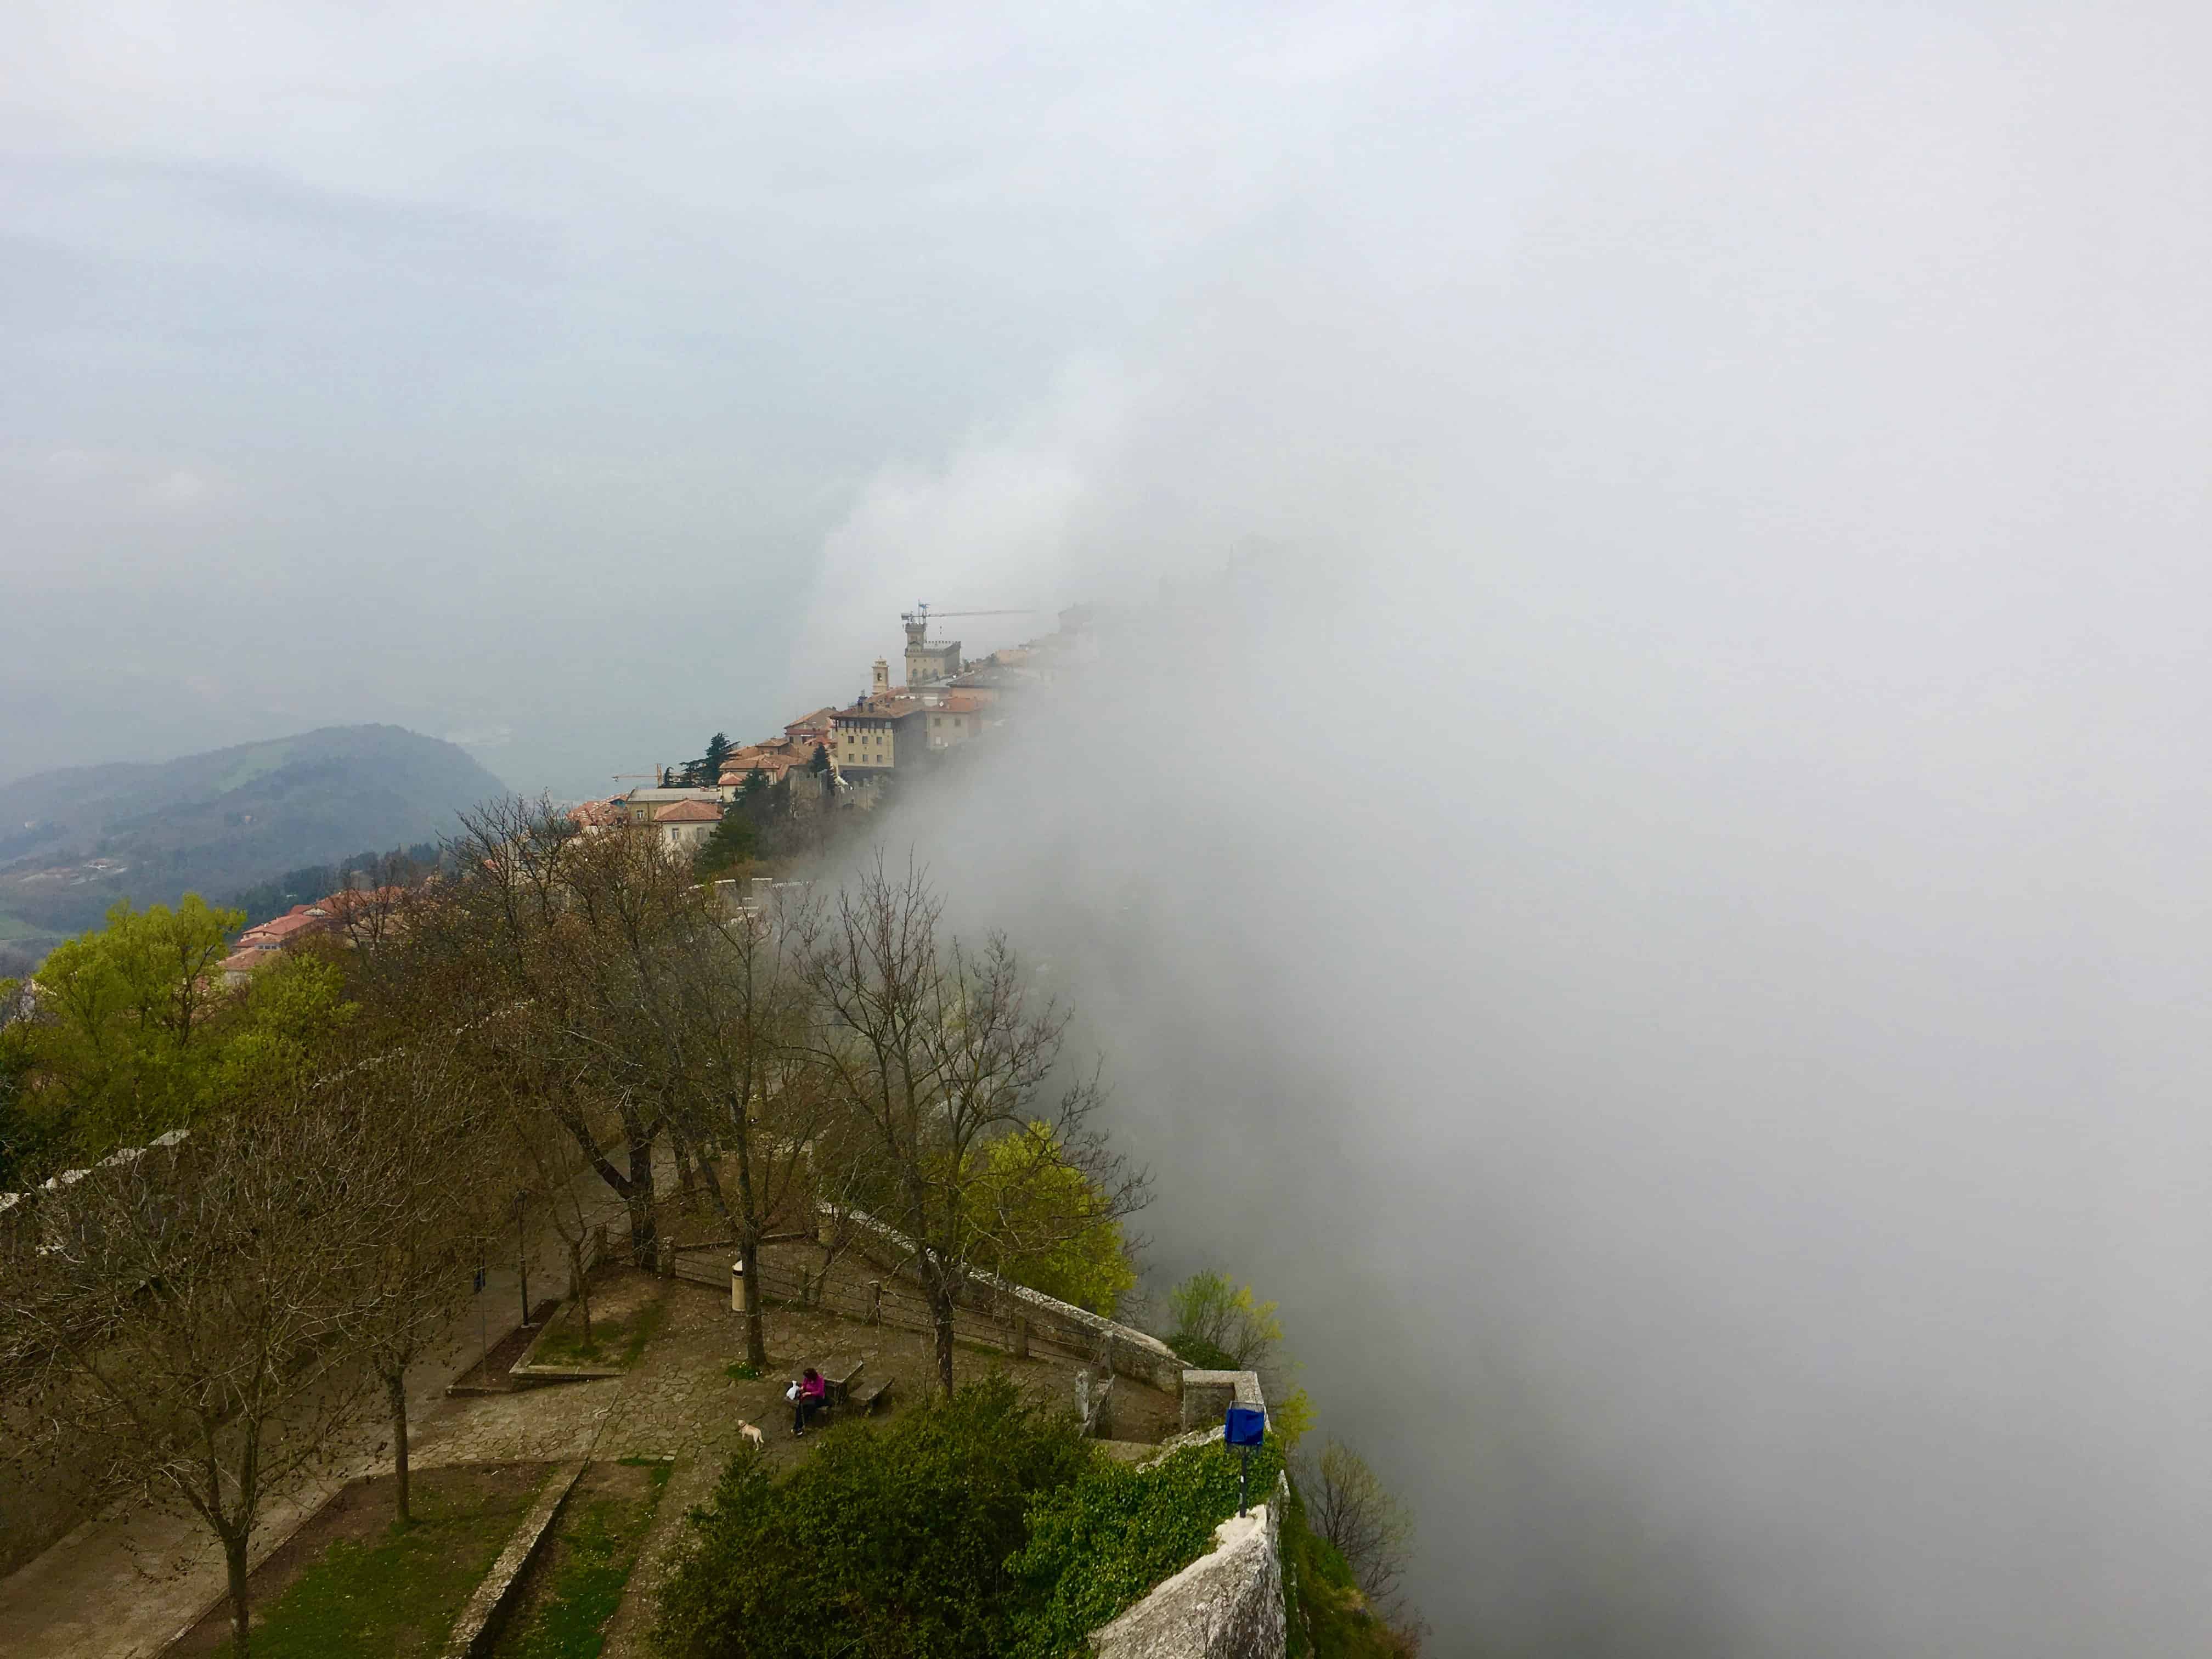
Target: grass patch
598, 1548
616, 1341
395, 1593
740, 1371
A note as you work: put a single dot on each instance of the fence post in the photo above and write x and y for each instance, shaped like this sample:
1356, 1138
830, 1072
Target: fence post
875, 1301
1021, 1336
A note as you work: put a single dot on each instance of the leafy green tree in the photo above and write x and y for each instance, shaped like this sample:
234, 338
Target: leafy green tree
124, 1036
718, 756
756, 783
26, 1136
820, 763
1220, 1325
282, 1030
734, 841
1052, 1228
892, 1543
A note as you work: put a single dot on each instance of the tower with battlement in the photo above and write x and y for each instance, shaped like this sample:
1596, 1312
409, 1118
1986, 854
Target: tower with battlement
927, 659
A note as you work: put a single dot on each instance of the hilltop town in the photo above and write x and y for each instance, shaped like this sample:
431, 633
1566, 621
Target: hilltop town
843, 754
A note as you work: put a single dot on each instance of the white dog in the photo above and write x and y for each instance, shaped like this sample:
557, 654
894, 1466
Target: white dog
752, 1432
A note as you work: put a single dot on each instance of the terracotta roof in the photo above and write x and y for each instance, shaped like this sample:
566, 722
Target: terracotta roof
689, 811
276, 931
773, 767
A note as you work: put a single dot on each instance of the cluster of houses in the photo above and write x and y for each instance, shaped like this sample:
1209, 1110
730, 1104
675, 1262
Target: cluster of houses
346, 916
946, 702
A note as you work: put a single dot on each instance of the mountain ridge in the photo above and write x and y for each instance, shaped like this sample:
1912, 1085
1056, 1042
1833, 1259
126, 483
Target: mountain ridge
73, 840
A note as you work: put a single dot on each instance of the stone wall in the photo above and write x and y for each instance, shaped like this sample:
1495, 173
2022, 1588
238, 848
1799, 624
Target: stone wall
1227, 1604
1122, 1349
1207, 1396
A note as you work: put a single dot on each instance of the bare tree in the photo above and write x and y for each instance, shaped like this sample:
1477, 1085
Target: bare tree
422, 1181
567, 932
754, 1102
941, 1052
177, 1314
544, 1154
1347, 1504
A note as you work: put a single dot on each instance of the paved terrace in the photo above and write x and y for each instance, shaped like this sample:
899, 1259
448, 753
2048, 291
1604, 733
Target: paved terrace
124, 1588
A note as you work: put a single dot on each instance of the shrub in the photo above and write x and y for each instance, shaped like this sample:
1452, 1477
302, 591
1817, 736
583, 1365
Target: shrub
897, 1540
1220, 1324
1098, 1545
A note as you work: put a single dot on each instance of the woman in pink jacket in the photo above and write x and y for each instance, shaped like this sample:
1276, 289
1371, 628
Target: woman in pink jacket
813, 1394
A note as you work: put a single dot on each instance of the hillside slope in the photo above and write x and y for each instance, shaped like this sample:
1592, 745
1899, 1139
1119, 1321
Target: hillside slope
74, 841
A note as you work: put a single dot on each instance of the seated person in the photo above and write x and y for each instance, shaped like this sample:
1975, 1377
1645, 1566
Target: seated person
813, 1396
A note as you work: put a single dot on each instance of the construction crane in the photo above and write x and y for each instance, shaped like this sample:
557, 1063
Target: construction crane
920, 614
917, 620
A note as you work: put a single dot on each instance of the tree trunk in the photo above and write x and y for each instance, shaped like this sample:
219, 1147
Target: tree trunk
241, 1634
644, 1229
396, 1384
577, 1288
942, 1301
756, 1339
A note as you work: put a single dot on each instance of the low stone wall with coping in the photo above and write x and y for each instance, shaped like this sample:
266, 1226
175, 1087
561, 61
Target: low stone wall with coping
1122, 1349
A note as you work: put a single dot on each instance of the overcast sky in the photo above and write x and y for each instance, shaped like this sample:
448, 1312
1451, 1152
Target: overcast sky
501, 371
1662, 910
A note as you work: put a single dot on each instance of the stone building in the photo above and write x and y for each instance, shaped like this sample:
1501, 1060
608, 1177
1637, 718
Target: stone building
927, 660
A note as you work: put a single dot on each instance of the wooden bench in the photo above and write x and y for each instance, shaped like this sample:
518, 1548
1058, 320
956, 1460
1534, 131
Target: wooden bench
864, 1397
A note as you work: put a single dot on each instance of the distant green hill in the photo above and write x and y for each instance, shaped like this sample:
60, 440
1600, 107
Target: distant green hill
74, 841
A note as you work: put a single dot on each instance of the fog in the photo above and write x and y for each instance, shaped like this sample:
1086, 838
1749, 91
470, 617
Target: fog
1637, 859
1637, 856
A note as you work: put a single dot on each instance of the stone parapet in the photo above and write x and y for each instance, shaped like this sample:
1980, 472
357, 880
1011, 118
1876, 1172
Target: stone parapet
1122, 1349
1227, 1605
1207, 1396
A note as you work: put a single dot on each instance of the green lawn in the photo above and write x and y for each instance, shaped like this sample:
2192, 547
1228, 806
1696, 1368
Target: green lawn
394, 1593
592, 1557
